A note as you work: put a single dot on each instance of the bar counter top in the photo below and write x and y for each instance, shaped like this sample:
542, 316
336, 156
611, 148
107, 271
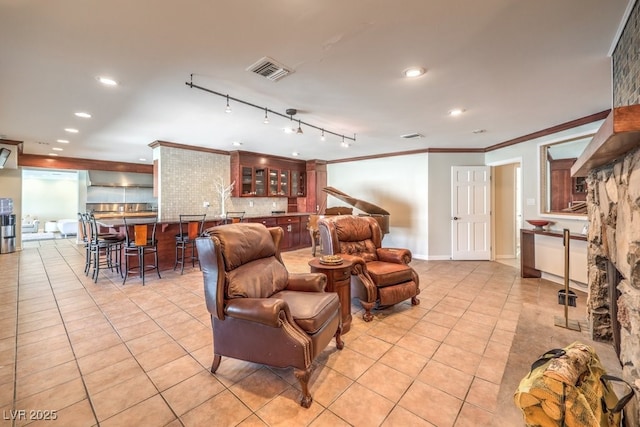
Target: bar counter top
145, 214
294, 224
170, 220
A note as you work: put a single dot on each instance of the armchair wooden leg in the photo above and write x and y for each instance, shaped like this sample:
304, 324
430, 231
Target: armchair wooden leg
303, 376
313, 242
368, 317
339, 342
216, 362
415, 301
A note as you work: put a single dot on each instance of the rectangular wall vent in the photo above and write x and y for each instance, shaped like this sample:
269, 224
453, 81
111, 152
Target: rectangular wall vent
270, 69
412, 135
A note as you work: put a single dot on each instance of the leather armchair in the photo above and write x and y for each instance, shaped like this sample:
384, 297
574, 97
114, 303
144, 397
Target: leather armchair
259, 312
380, 277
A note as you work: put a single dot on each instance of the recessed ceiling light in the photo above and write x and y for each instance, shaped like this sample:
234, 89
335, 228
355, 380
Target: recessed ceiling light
414, 72
295, 154
62, 141
236, 143
53, 154
142, 159
289, 130
456, 112
57, 149
71, 130
107, 81
83, 115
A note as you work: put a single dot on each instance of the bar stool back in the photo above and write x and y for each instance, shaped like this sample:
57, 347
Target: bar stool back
140, 242
104, 249
84, 238
191, 226
233, 217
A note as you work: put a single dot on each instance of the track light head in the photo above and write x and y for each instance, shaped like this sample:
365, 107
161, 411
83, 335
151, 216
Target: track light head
228, 108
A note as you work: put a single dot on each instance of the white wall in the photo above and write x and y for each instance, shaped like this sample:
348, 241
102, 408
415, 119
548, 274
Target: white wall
440, 199
529, 152
397, 184
49, 199
416, 190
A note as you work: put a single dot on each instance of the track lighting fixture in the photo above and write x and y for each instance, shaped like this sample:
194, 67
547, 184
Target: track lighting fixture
228, 109
322, 138
290, 112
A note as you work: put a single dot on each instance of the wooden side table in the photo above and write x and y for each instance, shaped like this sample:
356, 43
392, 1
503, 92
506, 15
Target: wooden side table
339, 281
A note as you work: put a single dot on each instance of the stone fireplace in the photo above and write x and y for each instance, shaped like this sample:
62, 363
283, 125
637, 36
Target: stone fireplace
613, 304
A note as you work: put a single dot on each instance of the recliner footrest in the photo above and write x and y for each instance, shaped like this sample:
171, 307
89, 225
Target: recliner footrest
390, 295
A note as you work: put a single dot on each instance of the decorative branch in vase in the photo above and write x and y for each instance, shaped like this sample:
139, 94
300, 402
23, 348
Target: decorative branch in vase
224, 192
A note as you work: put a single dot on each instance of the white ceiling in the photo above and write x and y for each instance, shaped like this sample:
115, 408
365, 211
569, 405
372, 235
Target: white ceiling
515, 66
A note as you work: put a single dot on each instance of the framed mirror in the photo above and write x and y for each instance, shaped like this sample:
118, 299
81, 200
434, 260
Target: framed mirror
560, 193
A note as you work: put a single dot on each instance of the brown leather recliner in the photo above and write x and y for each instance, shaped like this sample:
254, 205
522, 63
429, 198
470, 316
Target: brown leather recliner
259, 312
379, 276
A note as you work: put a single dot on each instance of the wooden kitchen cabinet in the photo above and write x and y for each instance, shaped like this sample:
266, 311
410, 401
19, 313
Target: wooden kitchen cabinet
291, 227
258, 175
295, 234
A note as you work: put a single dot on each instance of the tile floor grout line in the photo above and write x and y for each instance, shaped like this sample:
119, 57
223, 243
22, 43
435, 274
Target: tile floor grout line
15, 356
84, 385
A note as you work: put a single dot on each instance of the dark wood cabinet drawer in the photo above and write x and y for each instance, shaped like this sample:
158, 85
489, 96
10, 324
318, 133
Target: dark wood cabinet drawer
284, 220
268, 222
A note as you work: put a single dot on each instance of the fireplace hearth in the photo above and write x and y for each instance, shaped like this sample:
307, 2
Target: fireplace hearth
613, 260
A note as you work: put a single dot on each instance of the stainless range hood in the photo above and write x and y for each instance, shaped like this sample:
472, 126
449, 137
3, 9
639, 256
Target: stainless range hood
119, 179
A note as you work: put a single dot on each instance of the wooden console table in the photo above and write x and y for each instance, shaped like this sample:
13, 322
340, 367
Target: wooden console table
528, 249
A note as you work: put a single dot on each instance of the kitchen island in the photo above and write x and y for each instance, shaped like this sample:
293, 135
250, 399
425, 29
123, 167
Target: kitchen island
294, 226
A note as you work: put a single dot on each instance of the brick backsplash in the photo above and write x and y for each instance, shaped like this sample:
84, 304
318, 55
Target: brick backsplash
189, 180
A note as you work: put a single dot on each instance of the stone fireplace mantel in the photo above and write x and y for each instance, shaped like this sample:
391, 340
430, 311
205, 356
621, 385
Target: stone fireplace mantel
619, 134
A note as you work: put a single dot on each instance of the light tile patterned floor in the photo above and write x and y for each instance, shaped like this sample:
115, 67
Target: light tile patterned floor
112, 355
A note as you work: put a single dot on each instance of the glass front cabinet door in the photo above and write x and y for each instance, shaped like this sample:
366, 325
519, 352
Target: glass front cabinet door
284, 183
298, 184
260, 182
247, 188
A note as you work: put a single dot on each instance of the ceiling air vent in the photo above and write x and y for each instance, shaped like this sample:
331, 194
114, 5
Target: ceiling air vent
412, 136
270, 69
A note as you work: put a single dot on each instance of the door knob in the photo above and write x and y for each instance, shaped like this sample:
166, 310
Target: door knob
455, 218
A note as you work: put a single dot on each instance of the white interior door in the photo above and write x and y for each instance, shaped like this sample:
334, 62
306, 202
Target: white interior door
470, 213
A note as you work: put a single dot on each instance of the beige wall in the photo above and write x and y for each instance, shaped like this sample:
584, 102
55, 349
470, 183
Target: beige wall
504, 192
11, 187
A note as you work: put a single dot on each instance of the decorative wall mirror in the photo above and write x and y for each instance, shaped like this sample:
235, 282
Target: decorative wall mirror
560, 193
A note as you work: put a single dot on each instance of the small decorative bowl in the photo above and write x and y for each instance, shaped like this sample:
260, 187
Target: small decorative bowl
538, 223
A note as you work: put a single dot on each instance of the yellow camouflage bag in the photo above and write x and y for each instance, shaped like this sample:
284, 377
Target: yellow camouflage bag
570, 388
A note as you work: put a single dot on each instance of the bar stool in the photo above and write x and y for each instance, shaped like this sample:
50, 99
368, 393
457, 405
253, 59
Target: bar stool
104, 249
84, 238
233, 217
140, 241
191, 226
